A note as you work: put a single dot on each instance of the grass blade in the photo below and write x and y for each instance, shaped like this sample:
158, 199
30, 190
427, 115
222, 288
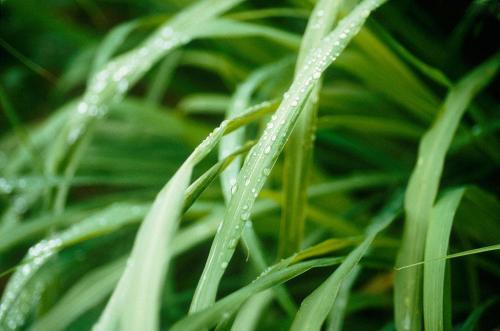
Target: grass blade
298, 151
250, 312
337, 315
263, 156
142, 280
114, 79
231, 142
97, 285
279, 273
438, 236
315, 307
422, 190
19, 294
91, 289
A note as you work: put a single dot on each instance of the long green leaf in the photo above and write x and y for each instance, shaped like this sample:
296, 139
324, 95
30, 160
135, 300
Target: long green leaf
115, 78
19, 294
94, 287
438, 236
142, 280
298, 151
315, 307
258, 164
422, 190
277, 274
249, 314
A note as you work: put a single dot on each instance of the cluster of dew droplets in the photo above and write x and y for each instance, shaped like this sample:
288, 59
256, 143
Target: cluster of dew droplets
5, 186
39, 254
275, 133
209, 143
318, 19
321, 57
109, 85
19, 298
269, 136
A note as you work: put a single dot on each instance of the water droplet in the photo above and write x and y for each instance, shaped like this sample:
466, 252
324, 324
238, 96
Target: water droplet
245, 216
5, 187
120, 73
122, 86
82, 107
233, 189
167, 32
74, 135
223, 265
267, 150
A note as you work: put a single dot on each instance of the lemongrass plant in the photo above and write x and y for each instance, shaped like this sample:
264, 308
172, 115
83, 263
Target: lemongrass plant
233, 165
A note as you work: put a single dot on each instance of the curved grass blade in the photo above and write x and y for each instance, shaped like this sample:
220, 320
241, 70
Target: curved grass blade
438, 236
298, 151
240, 100
337, 315
422, 190
316, 306
267, 13
111, 83
38, 225
119, 215
163, 77
110, 44
19, 296
258, 164
142, 280
135, 303
195, 190
114, 79
35, 67
278, 274
468, 252
97, 285
91, 289
204, 103
248, 317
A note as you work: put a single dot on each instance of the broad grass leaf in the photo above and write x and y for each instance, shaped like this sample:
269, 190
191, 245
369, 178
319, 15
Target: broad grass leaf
422, 190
